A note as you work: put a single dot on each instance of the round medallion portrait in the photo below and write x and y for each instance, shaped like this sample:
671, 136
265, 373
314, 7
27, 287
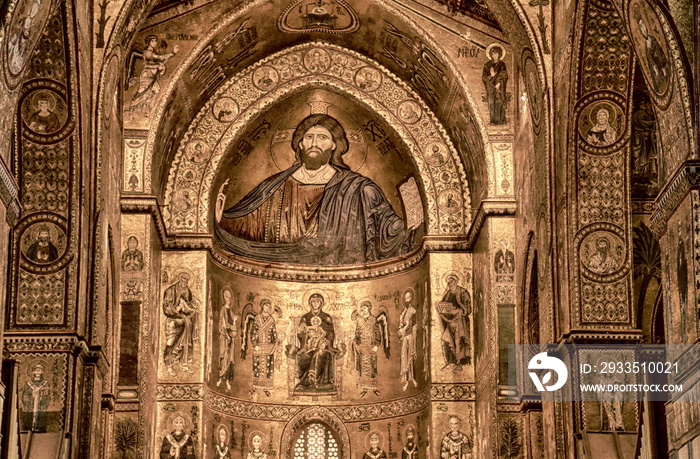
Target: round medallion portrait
368, 79
225, 109
265, 78
449, 201
409, 112
317, 60
44, 112
600, 124
43, 243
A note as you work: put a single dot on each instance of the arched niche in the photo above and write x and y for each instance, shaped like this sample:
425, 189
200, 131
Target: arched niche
179, 92
314, 414
317, 65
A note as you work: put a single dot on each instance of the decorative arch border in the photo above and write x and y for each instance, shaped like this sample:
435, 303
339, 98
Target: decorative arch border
295, 69
243, 9
314, 413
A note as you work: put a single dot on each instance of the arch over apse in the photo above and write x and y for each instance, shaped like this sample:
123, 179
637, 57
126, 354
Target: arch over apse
319, 65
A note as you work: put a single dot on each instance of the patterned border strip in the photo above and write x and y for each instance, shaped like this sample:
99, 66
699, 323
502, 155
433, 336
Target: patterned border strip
348, 413
463, 391
686, 177
179, 392
9, 194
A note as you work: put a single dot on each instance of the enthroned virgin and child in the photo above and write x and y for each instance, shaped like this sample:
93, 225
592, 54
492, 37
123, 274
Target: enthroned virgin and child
317, 211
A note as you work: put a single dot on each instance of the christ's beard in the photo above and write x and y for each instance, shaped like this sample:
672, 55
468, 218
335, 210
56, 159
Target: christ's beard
313, 158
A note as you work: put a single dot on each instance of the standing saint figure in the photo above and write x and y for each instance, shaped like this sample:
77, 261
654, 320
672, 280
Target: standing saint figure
36, 397
260, 329
644, 144
656, 58
43, 121
315, 352
228, 330
682, 277
407, 336
256, 452
19, 41
375, 451
221, 448
370, 333
42, 250
456, 444
317, 211
455, 337
132, 257
177, 444
495, 77
504, 263
180, 308
602, 134
410, 449
153, 68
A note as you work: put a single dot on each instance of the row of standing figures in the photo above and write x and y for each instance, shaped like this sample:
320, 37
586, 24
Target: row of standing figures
318, 342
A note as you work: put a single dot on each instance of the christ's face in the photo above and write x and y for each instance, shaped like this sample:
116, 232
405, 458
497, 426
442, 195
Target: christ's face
317, 146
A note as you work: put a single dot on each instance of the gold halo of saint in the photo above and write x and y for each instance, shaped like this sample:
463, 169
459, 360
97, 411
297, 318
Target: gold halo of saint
33, 364
372, 434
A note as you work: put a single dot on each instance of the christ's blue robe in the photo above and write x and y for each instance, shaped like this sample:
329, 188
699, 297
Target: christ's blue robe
356, 224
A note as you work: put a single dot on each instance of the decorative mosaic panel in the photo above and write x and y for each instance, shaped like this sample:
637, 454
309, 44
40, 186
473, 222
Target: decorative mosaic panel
304, 66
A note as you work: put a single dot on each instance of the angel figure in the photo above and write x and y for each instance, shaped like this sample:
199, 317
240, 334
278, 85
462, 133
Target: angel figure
260, 330
228, 330
370, 332
153, 69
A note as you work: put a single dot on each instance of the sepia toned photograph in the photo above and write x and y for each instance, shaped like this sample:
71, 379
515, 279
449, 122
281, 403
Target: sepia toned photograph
350, 229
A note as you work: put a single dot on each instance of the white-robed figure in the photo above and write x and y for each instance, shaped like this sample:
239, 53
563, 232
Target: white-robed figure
407, 335
153, 68
456, 444
180, 308
228, 330
36, 397
17, 47
221, 449
177, 444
